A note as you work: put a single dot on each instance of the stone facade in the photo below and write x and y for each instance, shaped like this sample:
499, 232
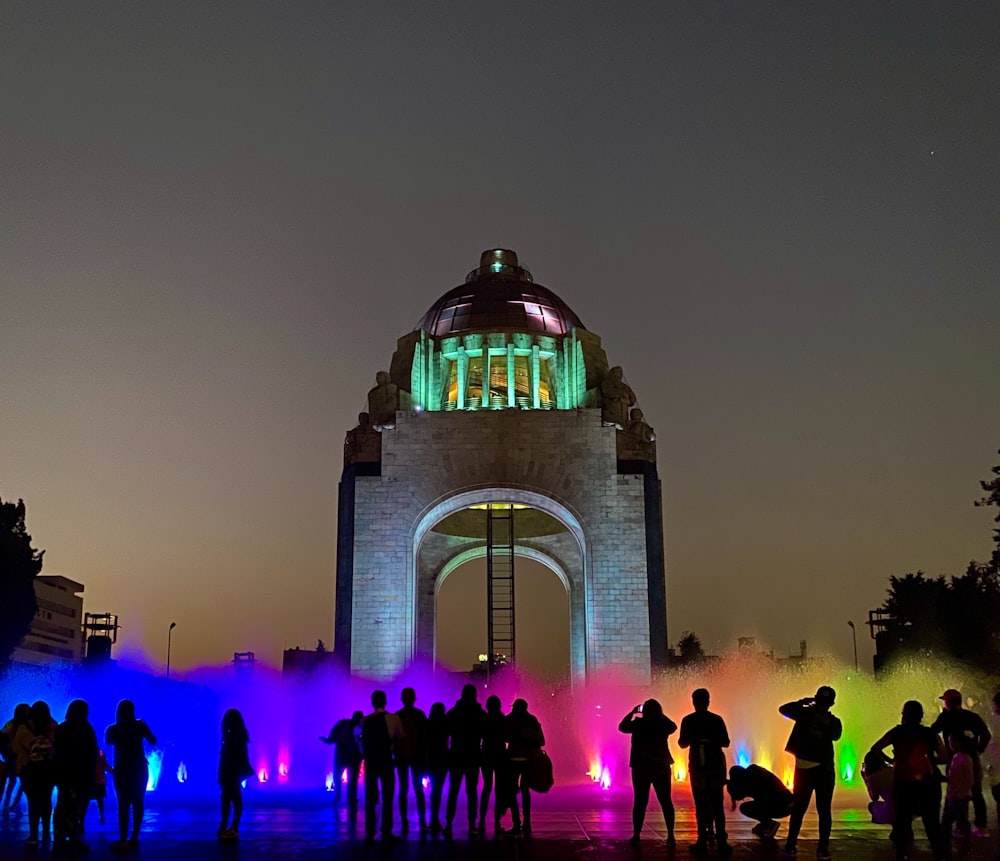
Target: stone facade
500, 396
562, 462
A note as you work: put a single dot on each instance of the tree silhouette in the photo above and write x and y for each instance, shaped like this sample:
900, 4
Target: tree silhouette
949, 617
689, 648
19, 565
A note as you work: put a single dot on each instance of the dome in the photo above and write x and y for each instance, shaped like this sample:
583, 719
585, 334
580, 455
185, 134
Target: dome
499, 295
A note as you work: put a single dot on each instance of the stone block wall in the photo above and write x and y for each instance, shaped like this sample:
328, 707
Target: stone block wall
563, 462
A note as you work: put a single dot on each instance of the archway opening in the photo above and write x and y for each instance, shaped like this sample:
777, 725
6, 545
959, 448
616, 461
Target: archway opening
541, 608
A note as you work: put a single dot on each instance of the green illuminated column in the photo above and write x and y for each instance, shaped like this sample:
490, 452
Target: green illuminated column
536, 400
463, 372
510, 375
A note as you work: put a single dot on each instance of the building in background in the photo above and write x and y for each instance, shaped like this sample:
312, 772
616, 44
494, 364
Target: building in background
56, 633
500, 432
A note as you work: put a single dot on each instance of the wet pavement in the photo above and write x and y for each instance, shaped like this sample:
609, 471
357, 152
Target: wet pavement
580, 822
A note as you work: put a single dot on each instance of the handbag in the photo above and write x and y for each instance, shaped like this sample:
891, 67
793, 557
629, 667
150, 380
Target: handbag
540, 776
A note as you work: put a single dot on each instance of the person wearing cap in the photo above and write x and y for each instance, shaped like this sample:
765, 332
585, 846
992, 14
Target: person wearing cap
955, 720
811, 743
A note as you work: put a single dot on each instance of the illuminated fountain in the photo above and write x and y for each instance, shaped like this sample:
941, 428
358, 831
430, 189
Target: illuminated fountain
285, 717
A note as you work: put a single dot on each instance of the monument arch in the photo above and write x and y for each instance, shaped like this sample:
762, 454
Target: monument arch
501, 397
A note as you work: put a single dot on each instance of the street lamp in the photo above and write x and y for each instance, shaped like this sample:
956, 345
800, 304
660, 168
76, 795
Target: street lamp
170, 632
854, 636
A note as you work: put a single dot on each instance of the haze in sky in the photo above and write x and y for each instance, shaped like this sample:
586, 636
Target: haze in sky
215, 222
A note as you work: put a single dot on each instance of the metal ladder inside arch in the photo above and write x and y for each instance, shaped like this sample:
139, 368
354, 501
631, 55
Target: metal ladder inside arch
500, 584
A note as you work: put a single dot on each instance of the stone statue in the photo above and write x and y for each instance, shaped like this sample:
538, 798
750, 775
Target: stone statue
383, 401
637, 440
617, 398
363, 443
638, 428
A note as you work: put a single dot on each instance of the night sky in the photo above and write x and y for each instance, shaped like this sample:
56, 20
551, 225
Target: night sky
216, 219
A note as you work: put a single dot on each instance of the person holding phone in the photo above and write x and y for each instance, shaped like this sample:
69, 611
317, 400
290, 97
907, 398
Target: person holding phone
650, 761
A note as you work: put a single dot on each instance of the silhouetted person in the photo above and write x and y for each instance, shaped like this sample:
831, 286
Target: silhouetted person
34, 747
525, 740
21, 712
496, 768
811, 743
955, 720
772, 800
704, 733
75, 763
411, 758
380, 731
99, 790
650, 760
958, 788
438, 761
991, 758
131, 771
234, 768
879, 776
465, 736
916, 789
345, 737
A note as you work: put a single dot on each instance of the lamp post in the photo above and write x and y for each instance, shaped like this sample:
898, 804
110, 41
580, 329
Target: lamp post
854, 636
170, 632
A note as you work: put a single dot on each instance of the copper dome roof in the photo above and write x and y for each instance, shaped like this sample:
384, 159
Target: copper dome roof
500, 295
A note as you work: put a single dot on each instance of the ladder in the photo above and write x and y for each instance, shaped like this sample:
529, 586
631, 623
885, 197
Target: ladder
500, 584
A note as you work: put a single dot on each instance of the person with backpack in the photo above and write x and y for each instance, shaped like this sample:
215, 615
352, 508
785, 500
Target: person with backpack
811, 743
34, 747
705, 735
916, 752
411, 758
75, 768
525, 741
380, 732
345, 737
131, 771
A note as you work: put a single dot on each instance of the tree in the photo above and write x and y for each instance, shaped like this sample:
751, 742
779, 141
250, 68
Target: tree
689, 648
949, 617
992, 498
19, 565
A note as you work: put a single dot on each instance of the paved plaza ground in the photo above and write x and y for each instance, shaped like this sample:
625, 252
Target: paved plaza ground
578, 822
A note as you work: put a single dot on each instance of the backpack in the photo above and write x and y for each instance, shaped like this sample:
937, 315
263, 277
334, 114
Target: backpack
914, 755
376, 746
40, 749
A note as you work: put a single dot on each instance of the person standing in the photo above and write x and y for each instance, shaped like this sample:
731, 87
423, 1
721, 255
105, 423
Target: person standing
811, 743
525, 740
916, 789
21, 712
75, 762
234, 768
958, 789
380, 732
991, 757
771, 799
650, 760
131, 771
465, 737
345, 737
411, 758
955, 720
705, 735
34, 746
438, 760
496, 771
